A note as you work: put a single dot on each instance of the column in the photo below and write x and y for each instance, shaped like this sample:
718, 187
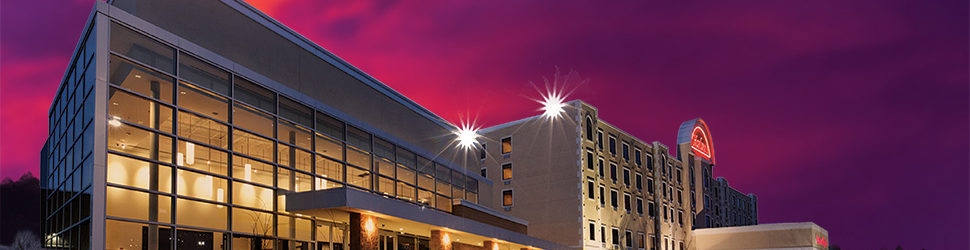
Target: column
363, 232
440, 240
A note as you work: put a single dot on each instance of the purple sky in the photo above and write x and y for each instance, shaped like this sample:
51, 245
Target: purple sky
852, 114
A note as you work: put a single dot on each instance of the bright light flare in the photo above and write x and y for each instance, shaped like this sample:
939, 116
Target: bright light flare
552, 104
467, 136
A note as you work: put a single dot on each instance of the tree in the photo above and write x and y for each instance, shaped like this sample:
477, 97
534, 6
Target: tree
19, 207
26, 240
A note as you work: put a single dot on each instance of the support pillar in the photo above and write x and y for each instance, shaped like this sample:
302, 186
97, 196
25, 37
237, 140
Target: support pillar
440, 240
490, 245
363, 232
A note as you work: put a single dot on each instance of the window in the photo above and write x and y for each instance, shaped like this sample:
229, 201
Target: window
603, 234
507, 171
484, 172
482, 152
636, 156
680, 217
616, 236
639, 206
506, 145
650, 185
639, 181
651, 209
626, 177
680, 197
641, 244
602, 195
666, 213
590, 189
626, 152
599, 139
626, 202
613, 171
614, 199
612, 145
629, 238
650, 162
590, 162
589, 128
507, 198
592, 231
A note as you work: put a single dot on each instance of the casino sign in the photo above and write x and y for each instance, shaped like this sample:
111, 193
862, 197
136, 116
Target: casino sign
695, 133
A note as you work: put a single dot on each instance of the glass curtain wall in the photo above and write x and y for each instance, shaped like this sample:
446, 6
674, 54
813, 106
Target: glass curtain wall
201, 158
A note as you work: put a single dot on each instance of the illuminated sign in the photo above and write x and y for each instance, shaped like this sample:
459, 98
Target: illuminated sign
701, 143
821, 241
695, 134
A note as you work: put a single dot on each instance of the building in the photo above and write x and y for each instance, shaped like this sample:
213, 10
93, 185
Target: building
586, 184
208, 125
804, 235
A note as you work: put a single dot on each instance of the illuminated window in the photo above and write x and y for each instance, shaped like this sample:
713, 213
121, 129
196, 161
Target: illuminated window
506, 145
507, 198
507, 171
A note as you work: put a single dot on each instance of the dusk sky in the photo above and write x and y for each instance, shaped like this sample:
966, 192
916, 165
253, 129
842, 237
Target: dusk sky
854, 115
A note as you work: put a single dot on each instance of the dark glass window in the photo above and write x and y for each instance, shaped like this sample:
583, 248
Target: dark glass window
254, 95
139, 47
203, 74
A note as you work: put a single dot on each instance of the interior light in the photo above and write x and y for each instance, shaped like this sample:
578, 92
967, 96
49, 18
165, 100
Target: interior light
189, 153
180, 159
114, 121
248, 172
138, 76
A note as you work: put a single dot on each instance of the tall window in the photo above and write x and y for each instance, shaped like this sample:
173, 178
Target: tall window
626, 152
637, 158
589, 128
640, 240
592, 230
507, 198
614, 200
626, 177
506, 145
590, 162
484, 172
650, 185
651, 209
602, 195
616, 236
590, 188
629, 238
612, 145
626, 201
507, 171
639, 181
650, 162
603, 234
600, 163
639, 206
482, 152
613, 171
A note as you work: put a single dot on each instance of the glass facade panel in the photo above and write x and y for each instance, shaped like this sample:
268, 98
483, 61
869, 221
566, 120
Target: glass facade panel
251, 222
203, 130
329, 147
296, 112
254, 95
129, 108
252, 196
140, 174
202, 186
328, 168
252, 171
203, 74
295, 158
358, 158
358, 177
129, 235
139, 142
139, 79
125, 203
252, 145
386, 186
253, 120
196, 156
139, 47
295, 135
203, 102
202, 214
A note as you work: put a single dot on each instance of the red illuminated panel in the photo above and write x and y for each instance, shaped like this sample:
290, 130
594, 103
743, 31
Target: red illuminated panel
821, 241
701, 143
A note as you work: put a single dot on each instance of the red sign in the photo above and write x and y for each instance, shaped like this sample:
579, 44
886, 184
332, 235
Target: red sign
821, 241
701, 143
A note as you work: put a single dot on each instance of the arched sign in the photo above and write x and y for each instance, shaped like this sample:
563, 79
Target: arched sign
696, 134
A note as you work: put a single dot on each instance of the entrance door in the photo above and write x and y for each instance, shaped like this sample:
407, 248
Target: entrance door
387, 240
